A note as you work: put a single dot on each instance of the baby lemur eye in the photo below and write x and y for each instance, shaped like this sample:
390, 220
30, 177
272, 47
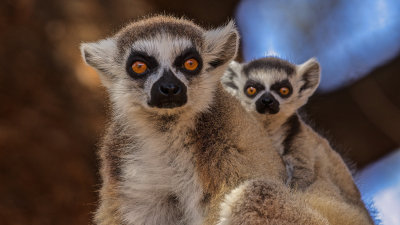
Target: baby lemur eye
283, 88
251, 91
191, 64
284, 91
252, 88
139, 67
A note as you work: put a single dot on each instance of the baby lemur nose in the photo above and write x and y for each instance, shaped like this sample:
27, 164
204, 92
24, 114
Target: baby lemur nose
267, 101
169, 89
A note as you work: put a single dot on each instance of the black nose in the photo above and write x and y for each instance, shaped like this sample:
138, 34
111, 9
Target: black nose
168, 92
267, 101
169, 89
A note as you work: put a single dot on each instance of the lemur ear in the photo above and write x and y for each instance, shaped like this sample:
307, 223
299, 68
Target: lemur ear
99, 55
221, 44
230, 79
309, 73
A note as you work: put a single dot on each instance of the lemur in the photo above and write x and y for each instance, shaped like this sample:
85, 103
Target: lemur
177, 142
272, 90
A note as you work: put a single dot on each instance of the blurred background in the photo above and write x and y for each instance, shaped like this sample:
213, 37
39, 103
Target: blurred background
53, 110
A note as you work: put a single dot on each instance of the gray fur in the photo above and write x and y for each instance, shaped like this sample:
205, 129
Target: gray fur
171, 166
315, 172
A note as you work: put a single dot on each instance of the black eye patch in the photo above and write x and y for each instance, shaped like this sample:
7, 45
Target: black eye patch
189, 53
150, 61
251, 83
282, 84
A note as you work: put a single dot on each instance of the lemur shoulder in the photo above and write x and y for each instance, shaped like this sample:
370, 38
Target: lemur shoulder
177, 142
272, 90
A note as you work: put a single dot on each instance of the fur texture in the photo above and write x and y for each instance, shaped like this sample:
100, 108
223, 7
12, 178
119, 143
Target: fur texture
316, 173
174, 165
259, 202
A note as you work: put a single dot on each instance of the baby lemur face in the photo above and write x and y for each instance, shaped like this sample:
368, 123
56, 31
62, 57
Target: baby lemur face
162, 64
272, 85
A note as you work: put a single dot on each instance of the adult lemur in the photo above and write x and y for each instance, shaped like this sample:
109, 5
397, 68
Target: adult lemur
272, 90
177, 142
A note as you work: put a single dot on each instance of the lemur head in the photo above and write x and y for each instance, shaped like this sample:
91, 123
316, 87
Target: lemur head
270, 85
162, 64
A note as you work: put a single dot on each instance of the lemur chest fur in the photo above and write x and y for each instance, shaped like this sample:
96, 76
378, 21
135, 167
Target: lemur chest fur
159, 173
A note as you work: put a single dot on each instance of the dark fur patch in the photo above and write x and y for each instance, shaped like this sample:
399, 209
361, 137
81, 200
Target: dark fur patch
88, 57
114, 162
206, 199
89, 61
173, 199
231, 85
231, 75
262, 189
174, 207
303, 174
307, 77
216, 62
268, 63
112, 151
310, 77
213, 148
228, 51
153, 26
165, 122
293, 128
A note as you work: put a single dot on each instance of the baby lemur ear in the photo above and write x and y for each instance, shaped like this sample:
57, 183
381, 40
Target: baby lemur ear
221, 44
230, 79
309, 73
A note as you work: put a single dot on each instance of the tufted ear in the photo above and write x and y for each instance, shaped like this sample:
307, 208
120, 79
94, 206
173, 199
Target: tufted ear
230, 80
221, 44
100, 55
309, 73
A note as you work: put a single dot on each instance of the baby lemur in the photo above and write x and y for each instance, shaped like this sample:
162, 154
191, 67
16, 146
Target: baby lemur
272, 90
177, 142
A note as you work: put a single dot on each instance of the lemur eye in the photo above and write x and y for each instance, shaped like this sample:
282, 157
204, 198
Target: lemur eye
284, 91
191, 64
251, 90
139, 67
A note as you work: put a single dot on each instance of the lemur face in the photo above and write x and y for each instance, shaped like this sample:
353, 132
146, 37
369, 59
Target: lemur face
271, 85
162, 69
162, 64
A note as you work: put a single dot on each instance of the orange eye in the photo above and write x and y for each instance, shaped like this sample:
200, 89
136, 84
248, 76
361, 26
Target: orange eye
251, 90
191, 64
139, 67
284, 91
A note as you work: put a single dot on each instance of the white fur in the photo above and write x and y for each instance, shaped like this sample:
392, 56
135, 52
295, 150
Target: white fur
156, 171
102, 57
217, 38
310, 66
155, 166
229, 202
